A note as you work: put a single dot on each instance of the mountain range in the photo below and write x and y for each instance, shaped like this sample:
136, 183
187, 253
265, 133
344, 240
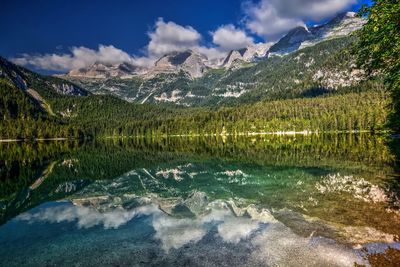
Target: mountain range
315, 86
196, 64
304, 62
189, 78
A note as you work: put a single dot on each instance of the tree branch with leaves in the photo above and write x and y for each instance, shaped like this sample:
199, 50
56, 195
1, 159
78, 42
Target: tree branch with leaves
378, 48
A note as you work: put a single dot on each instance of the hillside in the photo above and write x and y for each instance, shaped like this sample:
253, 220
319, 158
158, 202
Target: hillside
105, 116
25, 79
22, 116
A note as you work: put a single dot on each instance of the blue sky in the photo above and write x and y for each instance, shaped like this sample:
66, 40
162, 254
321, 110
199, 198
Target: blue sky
33, 29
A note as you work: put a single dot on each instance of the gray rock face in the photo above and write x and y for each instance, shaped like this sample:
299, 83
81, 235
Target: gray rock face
233, 56
68, 89
292, 41
301, 37
188, 61
101, 71
10, 72
245, 55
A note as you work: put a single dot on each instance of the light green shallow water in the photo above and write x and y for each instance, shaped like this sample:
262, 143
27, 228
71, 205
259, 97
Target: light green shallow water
330, 200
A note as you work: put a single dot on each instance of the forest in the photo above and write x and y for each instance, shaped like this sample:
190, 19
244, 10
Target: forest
105, 116
277, 103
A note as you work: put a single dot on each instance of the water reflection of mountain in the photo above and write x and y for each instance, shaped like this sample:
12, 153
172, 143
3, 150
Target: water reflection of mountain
233, 168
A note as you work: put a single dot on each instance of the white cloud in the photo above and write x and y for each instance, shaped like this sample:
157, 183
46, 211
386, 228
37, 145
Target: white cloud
269, 19
272, 18
265, 20
78, 58
225, 39
311, 9
166, 37
210, 52
228, 37
169, 37
143, 61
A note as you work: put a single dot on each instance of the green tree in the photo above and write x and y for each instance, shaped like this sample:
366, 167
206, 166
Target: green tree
379, 48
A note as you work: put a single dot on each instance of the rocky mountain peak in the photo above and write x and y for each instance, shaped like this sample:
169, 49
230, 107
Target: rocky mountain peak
297, 34
195, 64
102, 70
234, 56
342, 25
343, 16
300, 37
188, 61
175, 58
247, 54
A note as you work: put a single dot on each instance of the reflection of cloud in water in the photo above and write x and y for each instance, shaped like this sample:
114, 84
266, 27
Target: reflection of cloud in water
171, 231
86, 217
176, 173
235, 229
272, 242
279, 246
175, 233
234, 173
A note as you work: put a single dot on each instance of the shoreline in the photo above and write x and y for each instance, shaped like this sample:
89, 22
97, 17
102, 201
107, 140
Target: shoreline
277, 133
10, 140
35, 139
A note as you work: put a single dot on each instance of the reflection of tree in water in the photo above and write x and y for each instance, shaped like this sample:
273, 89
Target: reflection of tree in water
74, 166
394, 145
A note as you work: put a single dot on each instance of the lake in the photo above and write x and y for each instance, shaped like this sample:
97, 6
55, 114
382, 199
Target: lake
317, 200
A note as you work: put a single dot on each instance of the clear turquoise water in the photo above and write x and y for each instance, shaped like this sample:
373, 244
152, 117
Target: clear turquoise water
328, 200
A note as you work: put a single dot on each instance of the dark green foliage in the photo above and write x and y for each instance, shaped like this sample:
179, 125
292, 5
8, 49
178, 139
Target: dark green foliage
379, 48
23, 118
102, 116
109, 116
